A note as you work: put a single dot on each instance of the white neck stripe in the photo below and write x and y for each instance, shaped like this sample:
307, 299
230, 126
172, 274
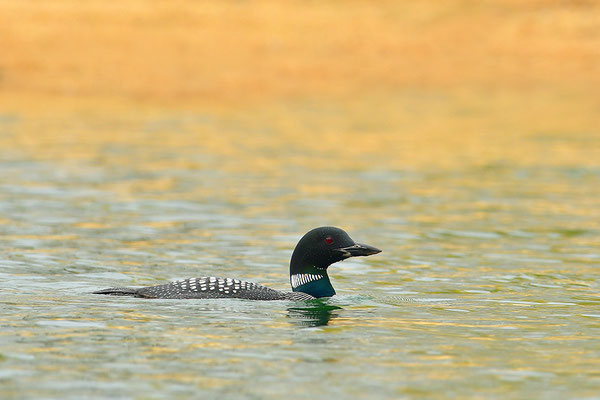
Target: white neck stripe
302, 279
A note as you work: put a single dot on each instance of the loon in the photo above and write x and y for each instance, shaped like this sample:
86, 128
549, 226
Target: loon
316, 251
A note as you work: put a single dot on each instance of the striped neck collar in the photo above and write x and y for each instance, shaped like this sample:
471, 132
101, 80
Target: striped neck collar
312, 281
302, 279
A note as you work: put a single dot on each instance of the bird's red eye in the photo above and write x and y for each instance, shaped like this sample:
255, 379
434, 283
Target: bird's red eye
328, 240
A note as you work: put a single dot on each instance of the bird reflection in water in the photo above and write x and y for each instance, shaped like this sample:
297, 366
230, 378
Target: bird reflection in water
315, 313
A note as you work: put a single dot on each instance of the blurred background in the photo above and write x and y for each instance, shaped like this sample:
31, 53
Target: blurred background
142, 141
416, 84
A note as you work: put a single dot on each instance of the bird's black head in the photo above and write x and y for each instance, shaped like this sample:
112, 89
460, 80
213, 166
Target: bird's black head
324, 246
316, 251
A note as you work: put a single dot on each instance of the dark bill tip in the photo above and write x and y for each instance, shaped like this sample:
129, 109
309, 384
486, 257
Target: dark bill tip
359, 250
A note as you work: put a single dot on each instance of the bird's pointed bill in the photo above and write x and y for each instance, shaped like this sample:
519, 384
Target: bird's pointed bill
359, 249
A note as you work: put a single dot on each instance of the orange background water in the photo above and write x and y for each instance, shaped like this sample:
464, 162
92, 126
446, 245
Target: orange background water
394, 84
211, 51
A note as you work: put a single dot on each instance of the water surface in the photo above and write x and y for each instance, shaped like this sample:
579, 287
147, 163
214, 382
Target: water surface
487, 286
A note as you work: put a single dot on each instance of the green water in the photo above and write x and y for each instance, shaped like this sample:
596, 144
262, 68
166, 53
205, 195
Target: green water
487, 286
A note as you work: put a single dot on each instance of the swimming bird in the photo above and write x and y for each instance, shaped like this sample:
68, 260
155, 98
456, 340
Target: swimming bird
314, 253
